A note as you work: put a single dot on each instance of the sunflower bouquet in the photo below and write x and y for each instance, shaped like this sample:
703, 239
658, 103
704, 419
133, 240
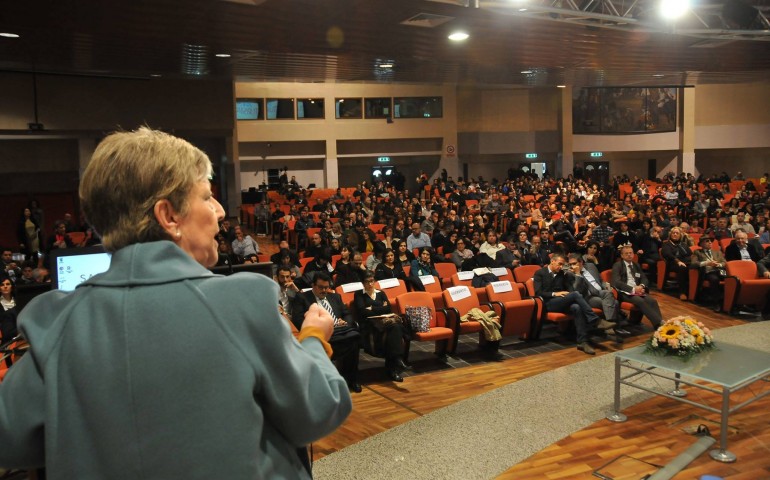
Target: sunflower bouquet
680, 336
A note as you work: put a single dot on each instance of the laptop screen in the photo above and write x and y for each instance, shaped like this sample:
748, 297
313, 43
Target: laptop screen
72, 266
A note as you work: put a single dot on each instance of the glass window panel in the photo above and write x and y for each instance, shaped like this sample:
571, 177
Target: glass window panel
418, 107
377, 107
310, 108
249, 109
280, 108
348, 108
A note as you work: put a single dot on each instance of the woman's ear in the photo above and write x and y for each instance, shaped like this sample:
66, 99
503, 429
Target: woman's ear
167, 217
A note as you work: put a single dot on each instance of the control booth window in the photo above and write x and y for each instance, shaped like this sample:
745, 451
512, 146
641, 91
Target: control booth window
418, 107
377, 107
280, 109
310, 108
249, 109
348, 108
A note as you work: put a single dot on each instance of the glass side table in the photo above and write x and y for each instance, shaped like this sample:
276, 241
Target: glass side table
722, 371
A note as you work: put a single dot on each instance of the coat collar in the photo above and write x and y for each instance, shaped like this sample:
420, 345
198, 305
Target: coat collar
149, 264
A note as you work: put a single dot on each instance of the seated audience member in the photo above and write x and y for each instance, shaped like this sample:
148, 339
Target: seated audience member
8, 312
345, 339
26, 277
375, 258
316, 247
304, 222
592, 250
741, 249
286, 293
710, 262
509, 257
721, 230
225, 251
417, 239
351, 272
283, 247
245, 247
390, 268
403, 255
317, 264
537, 255
284, 260
490, 249
369, 303
59, 239
421, 266
629, 280
740, 221
588, 282
677, 256
648, 250
10, 267
461, 254
552, 285
226, 231
763, 267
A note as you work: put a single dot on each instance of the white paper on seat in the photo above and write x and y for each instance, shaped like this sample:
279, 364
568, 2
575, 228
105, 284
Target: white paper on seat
352, 287
427, 279
465, 275
388, 283
502, 286
499, 271
459, 292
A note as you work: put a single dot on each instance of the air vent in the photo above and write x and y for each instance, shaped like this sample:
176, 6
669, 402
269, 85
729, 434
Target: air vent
427, 20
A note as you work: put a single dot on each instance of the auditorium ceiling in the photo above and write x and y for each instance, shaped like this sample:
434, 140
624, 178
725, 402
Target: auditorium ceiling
512, 42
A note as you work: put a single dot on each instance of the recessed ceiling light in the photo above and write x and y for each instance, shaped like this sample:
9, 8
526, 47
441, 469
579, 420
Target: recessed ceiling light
658, 75
526, 72
561, 86
522, 9
458, 36
156, 75
222, 55
386, 65
9, 35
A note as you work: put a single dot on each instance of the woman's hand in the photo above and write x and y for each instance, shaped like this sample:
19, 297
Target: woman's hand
316, 316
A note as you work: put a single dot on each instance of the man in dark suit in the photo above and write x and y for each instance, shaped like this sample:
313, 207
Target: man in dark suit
588, 282
741, 249
629, 280
552, 285
345, 339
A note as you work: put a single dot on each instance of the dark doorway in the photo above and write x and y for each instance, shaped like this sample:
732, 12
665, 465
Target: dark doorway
597, 173
652, 169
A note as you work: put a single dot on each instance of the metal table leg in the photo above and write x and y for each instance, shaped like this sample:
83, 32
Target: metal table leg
616, 415
722, 454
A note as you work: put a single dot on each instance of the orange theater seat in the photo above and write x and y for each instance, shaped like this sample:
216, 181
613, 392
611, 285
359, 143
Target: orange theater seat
439, 330
517, 316
743, 286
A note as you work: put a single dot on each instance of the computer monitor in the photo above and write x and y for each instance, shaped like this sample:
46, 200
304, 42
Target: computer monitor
72, 266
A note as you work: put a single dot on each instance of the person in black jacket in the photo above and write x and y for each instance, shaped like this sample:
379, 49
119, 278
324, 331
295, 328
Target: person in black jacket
369, 303
741, 249
677, 256
345, 339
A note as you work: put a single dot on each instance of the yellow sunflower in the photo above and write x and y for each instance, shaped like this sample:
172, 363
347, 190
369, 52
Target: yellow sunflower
670, 331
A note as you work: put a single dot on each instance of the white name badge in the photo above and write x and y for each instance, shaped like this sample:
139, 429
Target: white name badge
499, 271
427, 279
388, 283
502, 286
465, 275
352, 287
459, 292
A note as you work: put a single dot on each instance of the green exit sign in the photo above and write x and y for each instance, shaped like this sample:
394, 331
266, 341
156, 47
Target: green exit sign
530, 155
596, 154
383, 159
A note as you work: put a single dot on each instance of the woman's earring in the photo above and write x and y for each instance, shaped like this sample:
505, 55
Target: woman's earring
178, 234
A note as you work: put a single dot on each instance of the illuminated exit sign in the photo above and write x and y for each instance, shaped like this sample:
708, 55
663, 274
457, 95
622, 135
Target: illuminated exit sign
383, 159
530, 155
596, 154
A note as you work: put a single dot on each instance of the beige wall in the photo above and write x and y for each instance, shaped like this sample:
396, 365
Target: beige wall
734, 104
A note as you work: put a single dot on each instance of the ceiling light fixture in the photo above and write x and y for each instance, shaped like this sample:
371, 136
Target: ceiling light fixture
222, 55
561, 86
658, 75
526, 72
458, 36
386, 65
522, 9
9, 35
673, 9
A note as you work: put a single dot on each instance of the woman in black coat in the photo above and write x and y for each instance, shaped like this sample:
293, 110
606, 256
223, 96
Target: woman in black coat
369, 303
677, 255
